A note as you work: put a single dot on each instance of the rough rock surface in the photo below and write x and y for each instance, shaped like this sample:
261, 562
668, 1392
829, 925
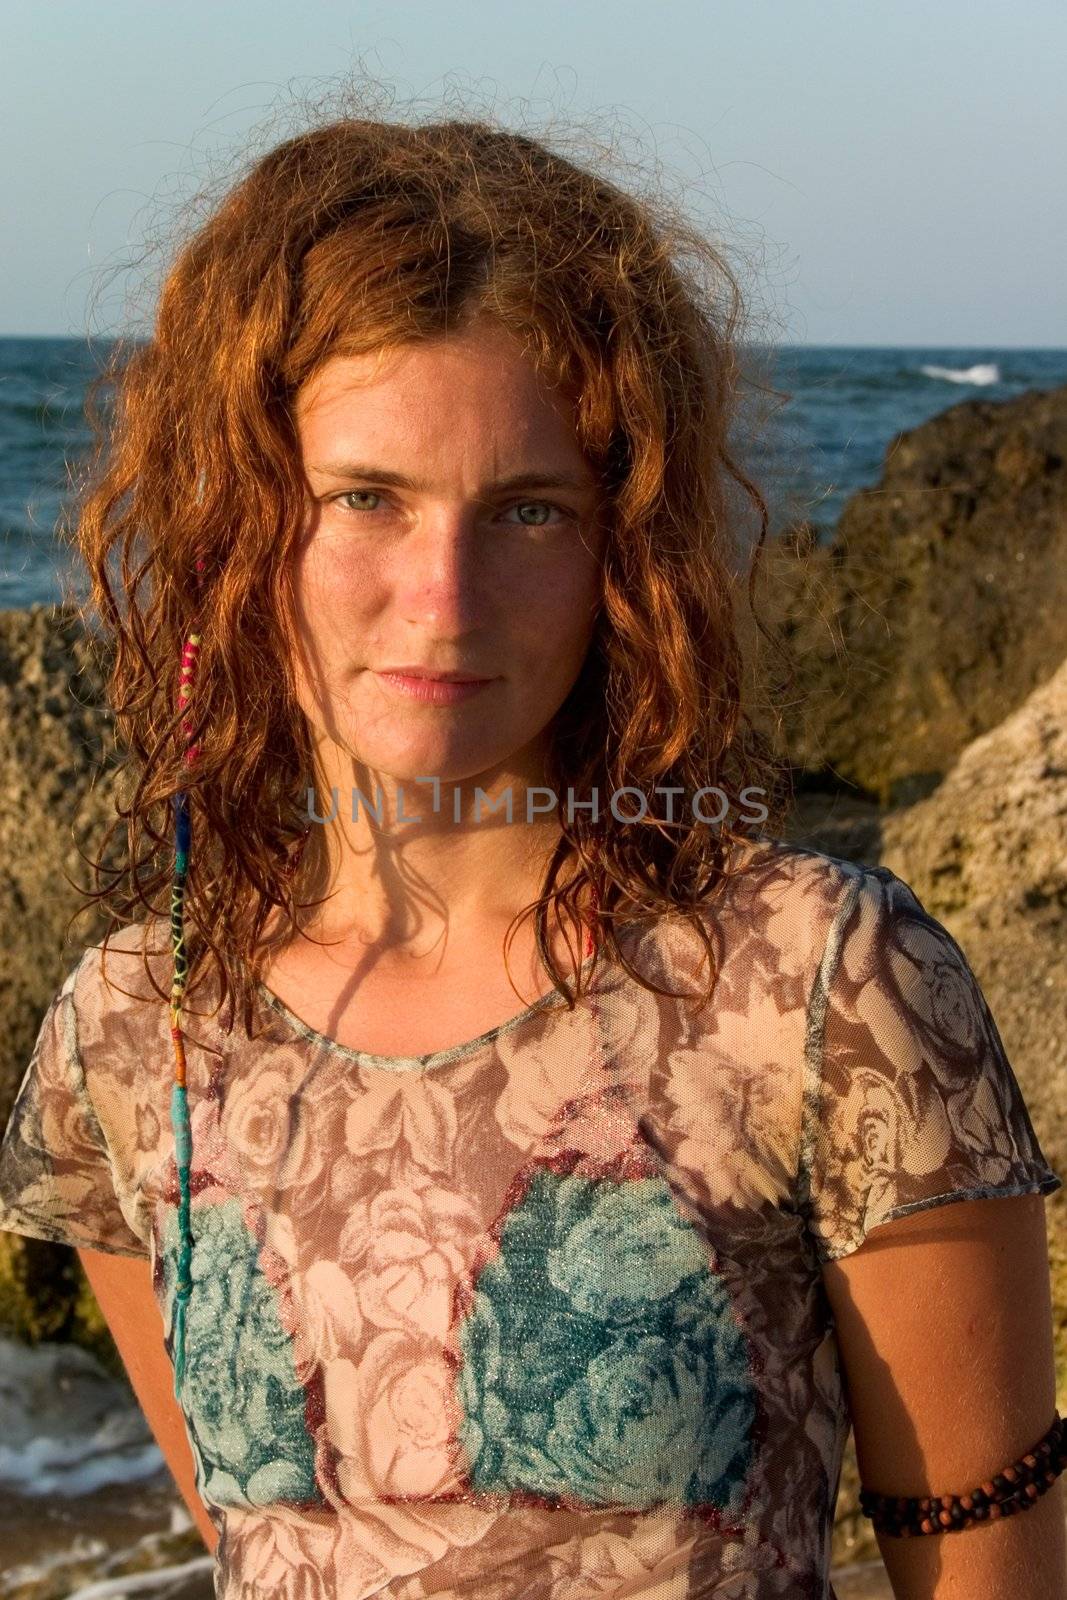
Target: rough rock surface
56, 753
987, 852
940, 604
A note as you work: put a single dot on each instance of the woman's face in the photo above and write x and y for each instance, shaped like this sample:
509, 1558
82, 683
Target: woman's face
453, 528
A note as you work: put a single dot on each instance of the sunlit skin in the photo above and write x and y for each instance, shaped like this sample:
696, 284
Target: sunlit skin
451, 571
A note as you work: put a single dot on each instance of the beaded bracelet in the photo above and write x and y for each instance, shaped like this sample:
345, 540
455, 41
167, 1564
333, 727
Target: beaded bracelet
1014, 1488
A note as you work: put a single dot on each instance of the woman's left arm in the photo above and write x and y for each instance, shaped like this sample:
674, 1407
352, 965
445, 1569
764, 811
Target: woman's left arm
945, 1330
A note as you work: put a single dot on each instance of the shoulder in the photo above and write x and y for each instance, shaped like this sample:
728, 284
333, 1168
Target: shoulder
761, 869
786, 896
114, 962
820, 900
119, 993
773, 924
849, 923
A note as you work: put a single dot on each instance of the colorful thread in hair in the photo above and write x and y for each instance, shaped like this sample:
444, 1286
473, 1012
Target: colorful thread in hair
179, 1099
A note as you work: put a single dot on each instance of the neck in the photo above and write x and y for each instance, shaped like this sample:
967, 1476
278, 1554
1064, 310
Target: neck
424, 869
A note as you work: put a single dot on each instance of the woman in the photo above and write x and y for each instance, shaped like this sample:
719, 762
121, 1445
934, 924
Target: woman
426, 468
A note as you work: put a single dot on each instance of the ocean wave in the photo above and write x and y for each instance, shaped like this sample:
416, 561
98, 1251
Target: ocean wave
68, 1427
980, 374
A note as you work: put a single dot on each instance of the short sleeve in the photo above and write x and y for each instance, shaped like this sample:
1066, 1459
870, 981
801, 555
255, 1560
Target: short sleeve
909, 1099
57, 1177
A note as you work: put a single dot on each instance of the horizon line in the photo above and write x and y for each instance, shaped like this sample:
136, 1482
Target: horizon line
785, 344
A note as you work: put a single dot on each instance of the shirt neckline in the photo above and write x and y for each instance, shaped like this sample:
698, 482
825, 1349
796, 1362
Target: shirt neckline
422, 1063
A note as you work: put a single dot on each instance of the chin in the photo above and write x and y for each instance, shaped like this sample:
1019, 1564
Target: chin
443, 762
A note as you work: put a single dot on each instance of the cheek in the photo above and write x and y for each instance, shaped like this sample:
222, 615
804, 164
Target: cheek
331, 588
560, 605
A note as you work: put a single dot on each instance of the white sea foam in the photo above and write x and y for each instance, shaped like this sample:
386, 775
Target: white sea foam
980, 374
66, 1426
116, 1588
84, 1549
127, 1570
143, 1582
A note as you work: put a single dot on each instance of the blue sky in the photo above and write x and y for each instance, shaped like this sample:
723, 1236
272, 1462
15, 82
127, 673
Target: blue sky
889, 172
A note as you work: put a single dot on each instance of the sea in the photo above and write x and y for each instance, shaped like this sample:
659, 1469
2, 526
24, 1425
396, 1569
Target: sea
825, 435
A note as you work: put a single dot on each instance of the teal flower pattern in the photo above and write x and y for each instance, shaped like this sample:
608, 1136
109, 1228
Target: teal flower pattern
244, 1406
602, 1364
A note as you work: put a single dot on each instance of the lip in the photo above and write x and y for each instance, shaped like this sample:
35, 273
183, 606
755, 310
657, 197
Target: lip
436, 677
432, 690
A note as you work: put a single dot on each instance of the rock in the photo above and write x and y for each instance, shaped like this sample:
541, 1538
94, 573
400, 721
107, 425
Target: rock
841, 824
56, 753
987, 852
56, 799
940, 604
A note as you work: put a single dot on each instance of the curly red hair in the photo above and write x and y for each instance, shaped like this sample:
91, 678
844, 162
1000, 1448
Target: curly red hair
360, 235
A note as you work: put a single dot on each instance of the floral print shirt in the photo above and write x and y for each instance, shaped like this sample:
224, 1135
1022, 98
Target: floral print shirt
540, 1315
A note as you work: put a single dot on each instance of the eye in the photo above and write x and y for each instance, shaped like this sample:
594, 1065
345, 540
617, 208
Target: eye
539, 506
349, 494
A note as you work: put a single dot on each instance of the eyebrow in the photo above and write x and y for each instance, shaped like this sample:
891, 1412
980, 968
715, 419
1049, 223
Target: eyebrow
399, 480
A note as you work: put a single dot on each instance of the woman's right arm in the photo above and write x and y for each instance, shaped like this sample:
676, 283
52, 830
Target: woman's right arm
123, 1289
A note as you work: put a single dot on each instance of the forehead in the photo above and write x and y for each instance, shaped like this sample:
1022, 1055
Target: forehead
481, 381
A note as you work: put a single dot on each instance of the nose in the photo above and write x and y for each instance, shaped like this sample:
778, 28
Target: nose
441, 571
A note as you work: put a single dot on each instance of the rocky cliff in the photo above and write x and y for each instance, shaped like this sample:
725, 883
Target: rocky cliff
940, 604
